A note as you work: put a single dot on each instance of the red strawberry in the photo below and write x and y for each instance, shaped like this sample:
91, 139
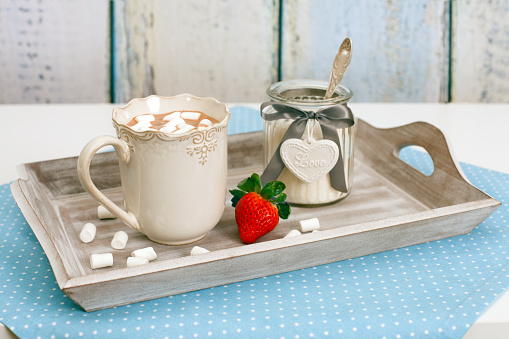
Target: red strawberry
257, 209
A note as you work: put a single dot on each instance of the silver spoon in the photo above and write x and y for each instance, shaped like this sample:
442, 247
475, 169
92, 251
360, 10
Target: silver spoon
339, 66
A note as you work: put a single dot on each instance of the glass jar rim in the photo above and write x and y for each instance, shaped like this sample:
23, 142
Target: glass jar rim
308, 92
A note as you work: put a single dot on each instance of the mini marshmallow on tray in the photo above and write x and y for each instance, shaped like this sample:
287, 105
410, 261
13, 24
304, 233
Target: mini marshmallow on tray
87, 233
309, 225
198, 250
147, 253
135, 261
190, 115
101, 260
119, 240
103, 213
292, 233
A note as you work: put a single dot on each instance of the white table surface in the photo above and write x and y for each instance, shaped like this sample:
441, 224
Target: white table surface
477, 133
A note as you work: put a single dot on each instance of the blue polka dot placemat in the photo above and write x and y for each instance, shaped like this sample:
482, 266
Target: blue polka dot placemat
435, 289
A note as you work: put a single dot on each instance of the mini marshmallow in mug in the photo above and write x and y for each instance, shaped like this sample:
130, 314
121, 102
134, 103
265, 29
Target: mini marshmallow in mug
183, 128
143, 126
205, 123
172, 116
168, 129
175, 122
145, 117
190, 115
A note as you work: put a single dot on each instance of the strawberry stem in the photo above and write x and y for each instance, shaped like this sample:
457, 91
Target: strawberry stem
272, 189
251, 184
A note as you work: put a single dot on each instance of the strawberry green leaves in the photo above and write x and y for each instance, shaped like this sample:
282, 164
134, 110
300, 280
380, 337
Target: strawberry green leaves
272, 192
283, 209
237, 195
251, 184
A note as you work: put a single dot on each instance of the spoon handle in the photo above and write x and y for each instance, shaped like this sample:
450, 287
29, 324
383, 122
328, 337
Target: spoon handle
339, 66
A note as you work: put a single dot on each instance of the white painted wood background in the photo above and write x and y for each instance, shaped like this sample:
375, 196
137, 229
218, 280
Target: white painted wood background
54, 51
480, 51
226, 49
101, 51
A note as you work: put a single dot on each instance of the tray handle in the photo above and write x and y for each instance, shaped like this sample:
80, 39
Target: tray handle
379, 150
423, 134
84, 160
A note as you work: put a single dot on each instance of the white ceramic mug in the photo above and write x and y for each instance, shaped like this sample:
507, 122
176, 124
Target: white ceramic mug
174, 186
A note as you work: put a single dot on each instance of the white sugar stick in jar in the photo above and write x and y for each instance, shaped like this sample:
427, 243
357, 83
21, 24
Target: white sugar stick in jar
307, 96
319, 191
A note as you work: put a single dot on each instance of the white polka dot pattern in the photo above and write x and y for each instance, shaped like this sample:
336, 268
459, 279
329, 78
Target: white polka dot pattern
427, 290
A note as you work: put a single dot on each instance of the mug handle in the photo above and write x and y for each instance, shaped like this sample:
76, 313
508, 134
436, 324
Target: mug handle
123, 155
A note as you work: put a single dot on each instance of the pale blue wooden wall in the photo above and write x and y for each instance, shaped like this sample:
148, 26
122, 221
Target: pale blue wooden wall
111, 51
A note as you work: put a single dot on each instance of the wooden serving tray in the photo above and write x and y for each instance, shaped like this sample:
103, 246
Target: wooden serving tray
392, 205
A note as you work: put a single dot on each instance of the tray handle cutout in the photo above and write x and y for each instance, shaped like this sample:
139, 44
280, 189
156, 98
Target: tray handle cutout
84, 160
425, 164
430, 138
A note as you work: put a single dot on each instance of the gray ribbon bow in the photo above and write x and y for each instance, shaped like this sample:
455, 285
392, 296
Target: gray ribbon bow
330, 119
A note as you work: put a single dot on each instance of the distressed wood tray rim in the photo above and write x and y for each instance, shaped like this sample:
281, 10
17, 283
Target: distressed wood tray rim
270, 245
480, 202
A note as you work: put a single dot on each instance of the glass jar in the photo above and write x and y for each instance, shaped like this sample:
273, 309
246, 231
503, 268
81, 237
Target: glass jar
308, 95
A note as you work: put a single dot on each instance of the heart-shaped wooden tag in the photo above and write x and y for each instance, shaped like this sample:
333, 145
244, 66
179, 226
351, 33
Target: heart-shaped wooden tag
309, 159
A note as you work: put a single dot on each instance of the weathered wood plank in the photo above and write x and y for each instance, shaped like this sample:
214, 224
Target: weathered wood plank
226, 49
480, 51
54, 51
400, 48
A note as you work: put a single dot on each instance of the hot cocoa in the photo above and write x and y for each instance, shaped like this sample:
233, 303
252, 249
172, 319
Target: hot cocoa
176, 122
